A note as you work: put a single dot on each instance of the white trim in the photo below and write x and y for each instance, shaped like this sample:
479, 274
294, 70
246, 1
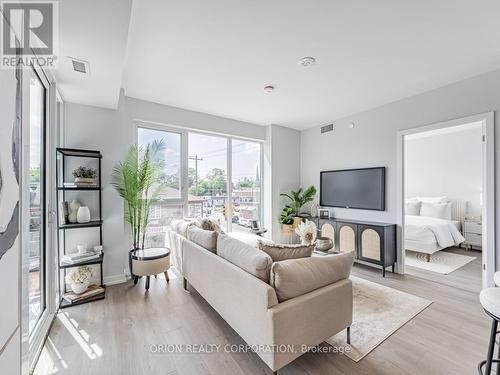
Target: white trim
487, 119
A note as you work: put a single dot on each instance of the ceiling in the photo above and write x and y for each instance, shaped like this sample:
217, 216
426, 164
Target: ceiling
216, 56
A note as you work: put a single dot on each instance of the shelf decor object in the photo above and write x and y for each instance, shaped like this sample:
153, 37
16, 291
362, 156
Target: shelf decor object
73, 216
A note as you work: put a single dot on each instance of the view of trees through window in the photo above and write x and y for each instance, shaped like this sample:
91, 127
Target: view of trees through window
207, 181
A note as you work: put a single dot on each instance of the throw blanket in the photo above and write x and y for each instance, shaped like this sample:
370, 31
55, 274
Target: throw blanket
445, 231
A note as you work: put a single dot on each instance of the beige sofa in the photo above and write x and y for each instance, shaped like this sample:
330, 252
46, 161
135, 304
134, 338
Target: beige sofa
250, 306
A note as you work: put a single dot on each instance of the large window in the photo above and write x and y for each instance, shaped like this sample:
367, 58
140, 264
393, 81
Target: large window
205, 176
169, 188
246, 183
37, 128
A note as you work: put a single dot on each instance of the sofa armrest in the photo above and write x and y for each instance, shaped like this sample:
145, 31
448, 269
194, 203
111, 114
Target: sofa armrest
311, 318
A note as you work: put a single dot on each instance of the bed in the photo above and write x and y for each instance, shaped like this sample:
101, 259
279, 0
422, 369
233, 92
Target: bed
430, 234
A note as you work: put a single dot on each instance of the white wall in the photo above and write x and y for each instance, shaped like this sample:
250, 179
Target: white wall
285, 174
112, 132
446, 164
372, 141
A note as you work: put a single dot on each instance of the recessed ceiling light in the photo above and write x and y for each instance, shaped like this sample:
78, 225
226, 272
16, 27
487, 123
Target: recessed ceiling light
268, 89
307, 61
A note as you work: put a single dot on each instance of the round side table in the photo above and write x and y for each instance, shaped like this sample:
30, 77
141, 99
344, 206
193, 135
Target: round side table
150, 262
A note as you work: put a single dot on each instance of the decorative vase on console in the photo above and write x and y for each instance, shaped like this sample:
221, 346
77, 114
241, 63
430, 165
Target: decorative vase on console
307, 232
83, 215
73, 206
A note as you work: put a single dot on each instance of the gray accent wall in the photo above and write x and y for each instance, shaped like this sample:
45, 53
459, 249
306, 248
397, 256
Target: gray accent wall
372, 141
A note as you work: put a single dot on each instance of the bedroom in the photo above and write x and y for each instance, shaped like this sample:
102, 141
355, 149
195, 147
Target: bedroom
443, 179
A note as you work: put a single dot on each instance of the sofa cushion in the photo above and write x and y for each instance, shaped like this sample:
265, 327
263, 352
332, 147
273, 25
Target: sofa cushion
283, 252
204, 238
247, 257
295, 277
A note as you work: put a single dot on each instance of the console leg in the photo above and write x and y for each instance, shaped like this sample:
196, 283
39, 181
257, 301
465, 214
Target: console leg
185, 284
383, 271
349, 335
393, 268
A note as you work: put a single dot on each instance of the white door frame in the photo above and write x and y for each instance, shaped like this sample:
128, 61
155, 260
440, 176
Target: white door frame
488, 213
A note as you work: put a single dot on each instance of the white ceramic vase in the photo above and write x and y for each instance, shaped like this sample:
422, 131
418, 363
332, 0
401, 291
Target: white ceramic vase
83, 215
79, 288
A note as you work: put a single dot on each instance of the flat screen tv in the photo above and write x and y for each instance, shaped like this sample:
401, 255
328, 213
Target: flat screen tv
362, 188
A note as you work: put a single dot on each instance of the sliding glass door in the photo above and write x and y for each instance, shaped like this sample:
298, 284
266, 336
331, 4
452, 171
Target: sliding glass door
37, 201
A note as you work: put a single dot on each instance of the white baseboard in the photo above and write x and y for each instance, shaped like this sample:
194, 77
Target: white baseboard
115, 279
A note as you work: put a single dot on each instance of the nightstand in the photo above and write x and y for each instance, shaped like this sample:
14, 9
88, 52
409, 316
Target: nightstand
473, 233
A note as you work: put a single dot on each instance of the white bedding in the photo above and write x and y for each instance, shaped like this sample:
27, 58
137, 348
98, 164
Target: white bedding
428, 234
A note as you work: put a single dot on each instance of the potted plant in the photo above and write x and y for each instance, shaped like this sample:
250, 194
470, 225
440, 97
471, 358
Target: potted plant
79, 279
134, 179
85, 176
298, 199
286, 220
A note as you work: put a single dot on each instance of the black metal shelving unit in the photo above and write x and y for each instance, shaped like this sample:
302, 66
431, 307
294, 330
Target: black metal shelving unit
62, 155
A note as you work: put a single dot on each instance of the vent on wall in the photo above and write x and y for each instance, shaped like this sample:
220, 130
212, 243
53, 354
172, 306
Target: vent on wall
80, 66
326, 128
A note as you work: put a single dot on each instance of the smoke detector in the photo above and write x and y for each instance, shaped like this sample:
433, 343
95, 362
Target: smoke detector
80, 66
268, 89
307, 61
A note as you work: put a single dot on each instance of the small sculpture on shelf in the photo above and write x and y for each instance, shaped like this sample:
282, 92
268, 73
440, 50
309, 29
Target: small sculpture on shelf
73, 211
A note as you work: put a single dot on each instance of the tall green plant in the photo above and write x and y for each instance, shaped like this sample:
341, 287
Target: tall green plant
133, 178
299, 198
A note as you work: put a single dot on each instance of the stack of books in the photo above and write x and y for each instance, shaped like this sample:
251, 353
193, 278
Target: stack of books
74, 258
93, 290
92, 183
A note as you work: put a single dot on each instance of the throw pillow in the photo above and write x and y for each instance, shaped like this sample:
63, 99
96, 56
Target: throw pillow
244, 256
412, 208
204, 238
283, 252
436, 210
209, 223
294, 277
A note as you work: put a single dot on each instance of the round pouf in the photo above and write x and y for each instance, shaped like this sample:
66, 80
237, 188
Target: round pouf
149, 262
490, 300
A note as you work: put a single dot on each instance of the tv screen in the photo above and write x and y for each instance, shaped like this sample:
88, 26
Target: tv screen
353, 188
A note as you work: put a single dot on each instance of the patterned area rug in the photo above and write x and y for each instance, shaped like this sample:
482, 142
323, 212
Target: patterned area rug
441, 262
379, 311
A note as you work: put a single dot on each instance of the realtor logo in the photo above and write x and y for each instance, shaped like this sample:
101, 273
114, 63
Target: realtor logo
29, 33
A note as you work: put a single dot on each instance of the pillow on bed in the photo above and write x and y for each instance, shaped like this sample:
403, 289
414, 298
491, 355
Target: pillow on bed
443, 199
437, 210
412, 208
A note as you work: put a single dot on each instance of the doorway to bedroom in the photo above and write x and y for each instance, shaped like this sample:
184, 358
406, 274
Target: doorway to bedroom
444, 186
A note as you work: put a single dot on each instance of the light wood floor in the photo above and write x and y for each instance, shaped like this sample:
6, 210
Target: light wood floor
467, 277
114, 336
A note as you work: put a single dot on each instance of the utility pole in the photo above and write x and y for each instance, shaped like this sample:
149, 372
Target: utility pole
195, 158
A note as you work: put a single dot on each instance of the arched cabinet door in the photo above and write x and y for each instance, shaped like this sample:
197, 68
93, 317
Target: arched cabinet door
328, 230
370, 243
346, 237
